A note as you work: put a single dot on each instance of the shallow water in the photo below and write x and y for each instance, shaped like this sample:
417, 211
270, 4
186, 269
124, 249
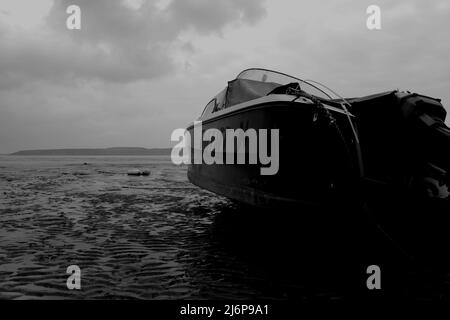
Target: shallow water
155, 237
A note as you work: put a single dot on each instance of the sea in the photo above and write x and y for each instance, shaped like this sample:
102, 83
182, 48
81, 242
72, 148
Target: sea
150, 237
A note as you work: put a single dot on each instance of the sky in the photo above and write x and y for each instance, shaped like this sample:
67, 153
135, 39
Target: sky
137, 70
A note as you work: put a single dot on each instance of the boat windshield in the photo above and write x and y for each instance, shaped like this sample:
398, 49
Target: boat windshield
264, 75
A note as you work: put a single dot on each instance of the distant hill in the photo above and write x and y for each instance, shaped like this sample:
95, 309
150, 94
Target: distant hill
126, 151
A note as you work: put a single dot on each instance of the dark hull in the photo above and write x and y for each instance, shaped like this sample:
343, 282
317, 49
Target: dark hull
316, 164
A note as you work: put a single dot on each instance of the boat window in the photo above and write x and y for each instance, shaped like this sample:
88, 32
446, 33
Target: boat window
220, 100
314, 90
264, 75
209, 107
218, 107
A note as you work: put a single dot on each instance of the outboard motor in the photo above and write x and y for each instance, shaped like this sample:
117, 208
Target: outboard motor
425, 118
406, 153
405, 142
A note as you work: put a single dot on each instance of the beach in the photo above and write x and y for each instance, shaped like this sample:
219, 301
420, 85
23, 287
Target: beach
153, 237
132, 237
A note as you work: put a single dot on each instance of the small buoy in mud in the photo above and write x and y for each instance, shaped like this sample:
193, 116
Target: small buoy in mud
145, 172
134, 172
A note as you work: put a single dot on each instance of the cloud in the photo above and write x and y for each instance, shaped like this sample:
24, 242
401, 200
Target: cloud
208, 16
138, 69
331, 44
117, 42
112, 82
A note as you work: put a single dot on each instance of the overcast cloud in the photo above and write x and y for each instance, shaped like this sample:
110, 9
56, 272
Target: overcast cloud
139, 69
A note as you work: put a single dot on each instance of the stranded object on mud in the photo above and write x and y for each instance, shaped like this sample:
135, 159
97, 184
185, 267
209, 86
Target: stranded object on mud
330, 148
137, 172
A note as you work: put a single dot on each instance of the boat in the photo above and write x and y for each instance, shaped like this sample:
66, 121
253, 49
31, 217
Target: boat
329, 149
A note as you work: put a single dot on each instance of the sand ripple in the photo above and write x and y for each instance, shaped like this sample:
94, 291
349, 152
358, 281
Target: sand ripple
155, 237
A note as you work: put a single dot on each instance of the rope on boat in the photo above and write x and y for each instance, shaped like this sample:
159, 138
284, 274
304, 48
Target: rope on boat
355, 133
332, 121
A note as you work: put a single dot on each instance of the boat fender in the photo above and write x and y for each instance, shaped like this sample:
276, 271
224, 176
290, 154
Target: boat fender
134, 172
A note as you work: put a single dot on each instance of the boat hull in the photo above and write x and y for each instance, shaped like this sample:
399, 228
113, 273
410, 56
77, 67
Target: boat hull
315, 162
